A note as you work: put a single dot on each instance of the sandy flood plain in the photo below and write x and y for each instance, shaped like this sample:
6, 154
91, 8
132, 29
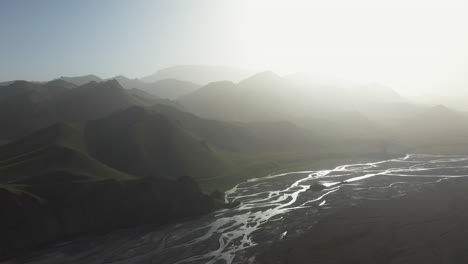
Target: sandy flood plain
429, 226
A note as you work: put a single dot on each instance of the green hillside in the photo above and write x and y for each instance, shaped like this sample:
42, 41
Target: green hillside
131, 168
147, 144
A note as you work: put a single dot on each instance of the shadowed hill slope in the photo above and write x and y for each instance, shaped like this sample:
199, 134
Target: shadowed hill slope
147, 144
129, 168
27, 106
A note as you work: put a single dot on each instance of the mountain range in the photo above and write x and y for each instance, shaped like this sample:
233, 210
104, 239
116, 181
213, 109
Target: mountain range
201, 74
83, 155
267, 96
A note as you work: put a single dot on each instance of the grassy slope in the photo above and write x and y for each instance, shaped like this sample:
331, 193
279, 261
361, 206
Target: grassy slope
242, 167
165, 142
59, 148
127, 145
147, 144
250, 150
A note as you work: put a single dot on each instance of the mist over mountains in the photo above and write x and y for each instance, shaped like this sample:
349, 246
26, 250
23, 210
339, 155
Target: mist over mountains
324, 108
201, 74
176, 139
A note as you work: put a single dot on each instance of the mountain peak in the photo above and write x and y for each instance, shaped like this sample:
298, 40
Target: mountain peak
80, 80
441, 108
262, 77
61, 83
120, 77
441, 111
199, 74
111, 82
89, 76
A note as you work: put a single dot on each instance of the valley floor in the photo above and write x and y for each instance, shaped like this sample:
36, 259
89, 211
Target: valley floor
423, 227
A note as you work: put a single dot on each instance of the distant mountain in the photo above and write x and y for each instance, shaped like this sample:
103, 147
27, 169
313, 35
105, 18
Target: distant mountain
18, 88
46, 90
80, 80
166, 88
84, 155
240, 137
376, 92
170, 88
339, 126
59, 85
26, 106
93, 100
201, 74
253, 99
268, 97
437, 119
436, 129
342, 92
127, 83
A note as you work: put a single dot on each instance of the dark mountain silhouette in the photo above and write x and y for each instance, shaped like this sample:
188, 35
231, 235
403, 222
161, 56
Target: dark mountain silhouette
170, 88
127, 83
30, 106
129, 168
45, 90
93, 100
166, 88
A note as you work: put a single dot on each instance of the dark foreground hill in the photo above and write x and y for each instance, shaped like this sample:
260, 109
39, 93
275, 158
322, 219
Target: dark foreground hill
135, 166
131, 168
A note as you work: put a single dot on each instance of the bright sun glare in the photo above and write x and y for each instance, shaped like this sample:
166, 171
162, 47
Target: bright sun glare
400, 43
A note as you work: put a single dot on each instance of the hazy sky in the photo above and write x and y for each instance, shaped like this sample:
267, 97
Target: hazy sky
411, 45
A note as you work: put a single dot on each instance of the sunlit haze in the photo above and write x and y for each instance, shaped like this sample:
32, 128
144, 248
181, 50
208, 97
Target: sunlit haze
414, 46
233, 131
